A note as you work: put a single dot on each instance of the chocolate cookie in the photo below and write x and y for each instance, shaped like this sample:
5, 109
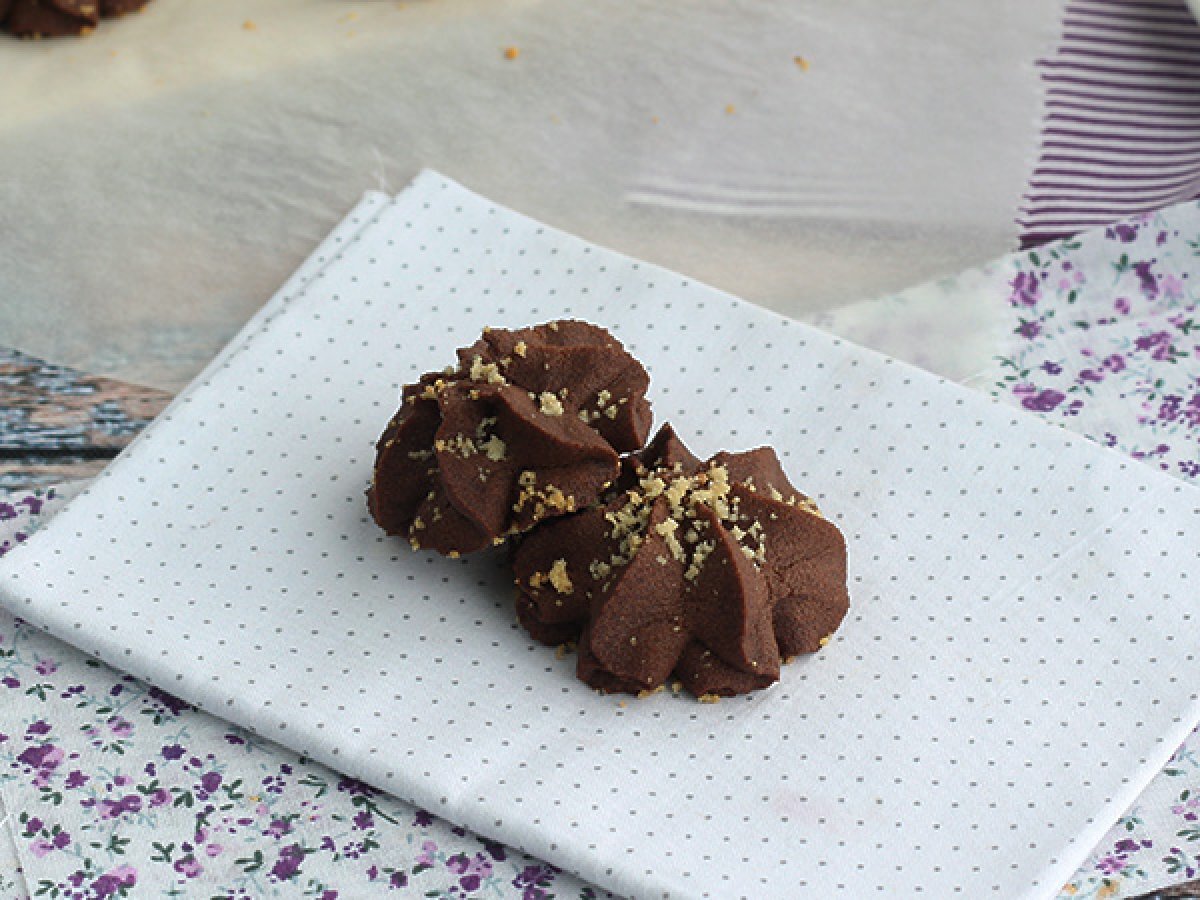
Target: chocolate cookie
528, 426
709, 573
113, 8
60, 18
52, 18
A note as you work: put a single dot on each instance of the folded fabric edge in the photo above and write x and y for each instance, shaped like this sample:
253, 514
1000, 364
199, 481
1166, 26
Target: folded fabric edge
1083, 843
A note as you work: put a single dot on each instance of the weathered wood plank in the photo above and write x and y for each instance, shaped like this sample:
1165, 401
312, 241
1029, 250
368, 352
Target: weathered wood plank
1189, 890
20, 475
58, 424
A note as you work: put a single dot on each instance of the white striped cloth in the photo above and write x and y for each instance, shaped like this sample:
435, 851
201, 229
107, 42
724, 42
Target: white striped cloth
1121, 133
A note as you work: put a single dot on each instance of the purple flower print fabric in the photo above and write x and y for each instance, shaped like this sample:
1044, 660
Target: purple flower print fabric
1106, 337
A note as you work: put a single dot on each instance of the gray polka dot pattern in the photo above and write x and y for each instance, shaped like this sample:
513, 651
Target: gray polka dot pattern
1014, 668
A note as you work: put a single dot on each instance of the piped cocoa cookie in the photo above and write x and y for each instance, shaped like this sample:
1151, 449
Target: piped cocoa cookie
60, 18
706, 573
527, 427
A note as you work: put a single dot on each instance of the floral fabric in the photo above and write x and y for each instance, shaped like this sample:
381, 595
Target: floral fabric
114, 788
1107, 337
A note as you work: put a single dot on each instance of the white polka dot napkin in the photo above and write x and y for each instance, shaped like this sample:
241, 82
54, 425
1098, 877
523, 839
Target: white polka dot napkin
1017, 663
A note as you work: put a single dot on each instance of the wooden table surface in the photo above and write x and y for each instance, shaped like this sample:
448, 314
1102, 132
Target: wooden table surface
57, 424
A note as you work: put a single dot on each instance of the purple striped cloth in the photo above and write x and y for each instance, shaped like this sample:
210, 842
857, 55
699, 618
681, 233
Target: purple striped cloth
1121, 133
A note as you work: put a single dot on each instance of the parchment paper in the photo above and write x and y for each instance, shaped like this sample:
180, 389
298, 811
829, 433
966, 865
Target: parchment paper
162, 176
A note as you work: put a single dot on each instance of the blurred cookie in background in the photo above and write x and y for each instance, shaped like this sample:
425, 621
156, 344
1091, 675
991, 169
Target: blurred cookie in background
60, 18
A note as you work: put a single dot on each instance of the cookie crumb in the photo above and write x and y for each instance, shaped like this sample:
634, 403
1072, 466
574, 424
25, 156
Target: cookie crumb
495, 448
559, 579
709, 698
801, 62
512, 52
486, 372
